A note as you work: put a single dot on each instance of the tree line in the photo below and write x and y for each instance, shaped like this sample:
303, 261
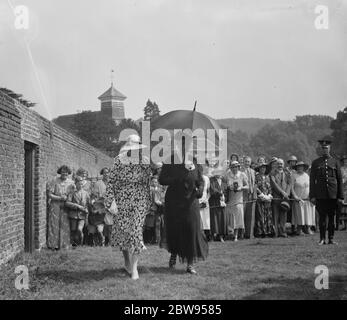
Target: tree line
298, 137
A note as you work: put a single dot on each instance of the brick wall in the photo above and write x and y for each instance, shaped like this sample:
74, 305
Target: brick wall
54, 147
11, 180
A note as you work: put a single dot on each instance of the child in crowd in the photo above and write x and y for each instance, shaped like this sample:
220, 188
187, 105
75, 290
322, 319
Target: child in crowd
97, 221
78, 203
86, 185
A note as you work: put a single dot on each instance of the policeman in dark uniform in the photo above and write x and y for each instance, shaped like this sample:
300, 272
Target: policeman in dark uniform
326, 188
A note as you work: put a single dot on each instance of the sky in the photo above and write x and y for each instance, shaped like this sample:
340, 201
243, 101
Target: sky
237, 58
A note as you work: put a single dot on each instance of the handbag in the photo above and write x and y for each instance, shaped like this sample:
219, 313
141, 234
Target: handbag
113, 209
108, 219
285, 205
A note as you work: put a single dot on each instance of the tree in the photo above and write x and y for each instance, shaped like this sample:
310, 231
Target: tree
314, 126
239, 143
282, 140
151, 111
100, 131
113, 148
95, 128
339, 127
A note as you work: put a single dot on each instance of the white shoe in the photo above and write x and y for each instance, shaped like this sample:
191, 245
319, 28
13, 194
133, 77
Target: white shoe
143, 245
135, 275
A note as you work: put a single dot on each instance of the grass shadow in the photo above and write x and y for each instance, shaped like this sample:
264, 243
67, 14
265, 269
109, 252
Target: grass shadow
161, 270
97, 275
300, 289
258, 243
81, 276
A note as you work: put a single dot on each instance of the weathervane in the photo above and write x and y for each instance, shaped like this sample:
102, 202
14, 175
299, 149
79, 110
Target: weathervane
112, 77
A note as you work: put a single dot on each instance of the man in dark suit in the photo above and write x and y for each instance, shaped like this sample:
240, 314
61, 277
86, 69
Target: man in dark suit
248, 196
326, 189
281, 185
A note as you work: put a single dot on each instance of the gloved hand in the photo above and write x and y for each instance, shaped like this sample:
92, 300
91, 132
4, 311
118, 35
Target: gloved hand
262, 197
269, 197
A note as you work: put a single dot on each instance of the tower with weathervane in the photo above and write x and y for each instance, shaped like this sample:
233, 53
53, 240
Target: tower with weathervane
112, 104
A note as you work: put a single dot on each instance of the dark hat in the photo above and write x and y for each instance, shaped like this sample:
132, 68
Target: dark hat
285, 205
292, 158
81, 172
301, 163
235, 155
326, 140
257, 168
64, 168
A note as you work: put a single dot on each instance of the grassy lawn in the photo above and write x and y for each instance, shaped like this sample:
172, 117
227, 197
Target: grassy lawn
248, 269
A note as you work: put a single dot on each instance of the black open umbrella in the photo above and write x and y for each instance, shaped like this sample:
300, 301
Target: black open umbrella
188, 119
185, 119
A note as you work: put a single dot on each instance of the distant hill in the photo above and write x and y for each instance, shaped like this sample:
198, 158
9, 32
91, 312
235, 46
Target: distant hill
247, 125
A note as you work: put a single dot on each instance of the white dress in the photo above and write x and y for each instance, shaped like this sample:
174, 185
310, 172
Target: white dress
205, 212
234, 209
303, 212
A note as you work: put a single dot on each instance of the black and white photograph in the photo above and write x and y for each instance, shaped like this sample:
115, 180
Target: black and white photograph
173, 150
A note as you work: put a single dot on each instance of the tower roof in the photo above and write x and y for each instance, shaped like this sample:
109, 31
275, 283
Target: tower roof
112, 92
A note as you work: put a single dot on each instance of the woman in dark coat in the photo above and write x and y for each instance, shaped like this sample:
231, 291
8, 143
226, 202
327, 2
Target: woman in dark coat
217, 201
184, 235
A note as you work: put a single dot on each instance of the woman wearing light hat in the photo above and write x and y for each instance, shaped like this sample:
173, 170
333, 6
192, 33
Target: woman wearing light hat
273, 165
129, 187
292, 161
303, 216
237, 183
